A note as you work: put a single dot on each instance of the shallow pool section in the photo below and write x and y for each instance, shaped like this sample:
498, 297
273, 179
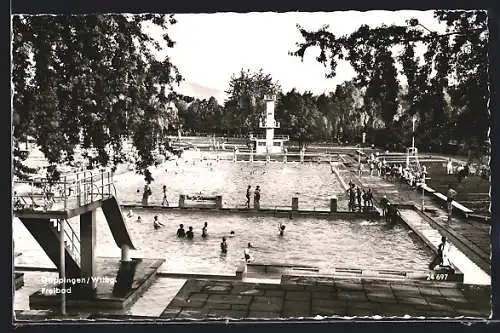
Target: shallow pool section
326, 244
312, 183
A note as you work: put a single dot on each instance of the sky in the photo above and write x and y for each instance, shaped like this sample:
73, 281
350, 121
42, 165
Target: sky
211, 47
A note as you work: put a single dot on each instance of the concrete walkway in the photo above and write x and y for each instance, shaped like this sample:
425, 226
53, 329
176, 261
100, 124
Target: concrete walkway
309, 297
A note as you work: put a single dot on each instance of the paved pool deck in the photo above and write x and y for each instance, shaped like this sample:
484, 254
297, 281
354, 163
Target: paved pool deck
310, 297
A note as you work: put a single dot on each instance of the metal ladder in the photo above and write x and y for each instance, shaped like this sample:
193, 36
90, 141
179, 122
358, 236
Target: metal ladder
72, 242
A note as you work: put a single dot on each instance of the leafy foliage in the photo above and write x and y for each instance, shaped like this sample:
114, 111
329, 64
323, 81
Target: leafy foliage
96, 73
202, 116
245, 104
446, 88
300, 116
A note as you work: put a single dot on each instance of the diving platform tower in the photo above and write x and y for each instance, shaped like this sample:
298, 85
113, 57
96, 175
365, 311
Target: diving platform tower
412, 161
269, 144
46, 207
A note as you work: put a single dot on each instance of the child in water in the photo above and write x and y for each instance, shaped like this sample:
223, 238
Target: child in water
189, 233
204, 230
281, 228
180, 232
156, 223
223, 245
247, 256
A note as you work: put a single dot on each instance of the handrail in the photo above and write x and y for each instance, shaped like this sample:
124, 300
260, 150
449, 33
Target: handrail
74, 240
70, 186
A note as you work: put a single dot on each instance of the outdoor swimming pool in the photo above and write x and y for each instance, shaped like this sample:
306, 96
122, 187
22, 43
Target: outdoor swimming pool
312, 183
323, 243
308, 240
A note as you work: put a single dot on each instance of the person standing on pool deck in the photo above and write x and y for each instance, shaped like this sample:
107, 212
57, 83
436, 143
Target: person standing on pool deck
165, 200
180, 232
204, 230
369, 197
449, 167
349, 193
256, 198
223, 245
424, 173
145, 194
352, 197
365, 198
189, 233
450, 194
156, 223
383, 203
358, 195
248, 195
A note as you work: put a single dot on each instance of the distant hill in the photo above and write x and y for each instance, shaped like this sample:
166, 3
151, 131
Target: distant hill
201, 92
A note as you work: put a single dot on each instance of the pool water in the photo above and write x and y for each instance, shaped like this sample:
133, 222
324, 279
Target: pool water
322, 243
312, 183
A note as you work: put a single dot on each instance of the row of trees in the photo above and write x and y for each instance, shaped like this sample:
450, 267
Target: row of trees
446, 88
305, 117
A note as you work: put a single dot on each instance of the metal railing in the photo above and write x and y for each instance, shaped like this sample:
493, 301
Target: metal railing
269, 124
82, 188
263, 136
74, 242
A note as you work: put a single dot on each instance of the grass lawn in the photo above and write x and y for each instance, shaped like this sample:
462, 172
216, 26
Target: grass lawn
473, 192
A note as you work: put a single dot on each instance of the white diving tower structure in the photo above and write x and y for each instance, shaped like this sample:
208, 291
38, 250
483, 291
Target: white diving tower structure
270, 144
412, 161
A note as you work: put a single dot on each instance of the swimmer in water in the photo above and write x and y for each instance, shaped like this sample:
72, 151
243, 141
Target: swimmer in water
223, 245
281, 228
189, 233
139, 220
204, 230
130, 213
246, 254
156, 223
180, 232
231, 234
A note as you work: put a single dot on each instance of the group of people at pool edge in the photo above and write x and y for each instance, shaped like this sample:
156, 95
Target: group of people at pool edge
147, 192
355, 192
256, 196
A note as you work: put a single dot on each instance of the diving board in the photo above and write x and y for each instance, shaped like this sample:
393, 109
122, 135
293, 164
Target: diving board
454, 203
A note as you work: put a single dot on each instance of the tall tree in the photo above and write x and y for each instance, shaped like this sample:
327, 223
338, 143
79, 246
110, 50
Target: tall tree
300, 117
91, 80
245, 104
